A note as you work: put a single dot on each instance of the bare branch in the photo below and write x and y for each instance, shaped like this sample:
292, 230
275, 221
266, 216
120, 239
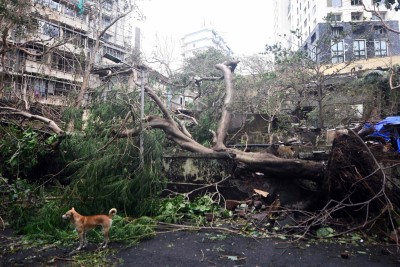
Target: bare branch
52, 125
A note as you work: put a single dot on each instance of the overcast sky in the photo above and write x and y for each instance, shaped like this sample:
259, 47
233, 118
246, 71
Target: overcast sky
246, 26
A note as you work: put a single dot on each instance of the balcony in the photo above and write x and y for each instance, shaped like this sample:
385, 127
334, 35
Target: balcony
34, 67
55, 16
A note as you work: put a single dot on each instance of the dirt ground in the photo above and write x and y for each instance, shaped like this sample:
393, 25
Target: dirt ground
205, 249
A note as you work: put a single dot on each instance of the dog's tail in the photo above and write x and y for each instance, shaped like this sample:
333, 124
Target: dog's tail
112, 212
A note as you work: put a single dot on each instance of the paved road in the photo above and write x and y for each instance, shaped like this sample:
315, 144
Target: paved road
188, 249
211, 249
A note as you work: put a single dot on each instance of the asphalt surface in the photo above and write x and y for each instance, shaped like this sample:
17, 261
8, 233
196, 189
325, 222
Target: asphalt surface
213, 249
183, 248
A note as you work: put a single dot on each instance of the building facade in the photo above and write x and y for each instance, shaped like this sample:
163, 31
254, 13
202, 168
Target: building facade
203, 39
49, 62
335, 31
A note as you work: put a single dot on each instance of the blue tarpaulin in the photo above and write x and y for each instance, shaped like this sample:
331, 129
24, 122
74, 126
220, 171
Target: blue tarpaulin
388, 130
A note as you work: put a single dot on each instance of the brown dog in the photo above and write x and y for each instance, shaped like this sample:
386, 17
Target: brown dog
85, 223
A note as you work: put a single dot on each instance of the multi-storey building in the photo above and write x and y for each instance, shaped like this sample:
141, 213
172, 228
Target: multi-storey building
50, 60
197, 41
335, 31
203, 39
282, 25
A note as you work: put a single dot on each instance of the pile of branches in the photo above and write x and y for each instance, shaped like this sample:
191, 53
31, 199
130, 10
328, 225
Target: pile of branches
363, 186
357, 175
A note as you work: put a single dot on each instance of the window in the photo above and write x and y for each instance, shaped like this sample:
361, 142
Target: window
331, 17
356, 2
106, 21
337, 31
75, 38
356, 16
380, 48
69, 11
49, 29
114, 52
359, 51
313, 37
49, 3
381, 14
54, 5
32, 57
107, 37
379, 29
334, 3
314, 54
64, 63
337, 52
107, 5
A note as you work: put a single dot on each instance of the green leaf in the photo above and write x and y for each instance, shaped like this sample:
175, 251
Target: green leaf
325, 232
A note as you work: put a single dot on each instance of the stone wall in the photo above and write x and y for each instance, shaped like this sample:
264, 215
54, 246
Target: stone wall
188, 171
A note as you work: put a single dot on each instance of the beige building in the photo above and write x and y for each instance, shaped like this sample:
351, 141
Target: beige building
49, 64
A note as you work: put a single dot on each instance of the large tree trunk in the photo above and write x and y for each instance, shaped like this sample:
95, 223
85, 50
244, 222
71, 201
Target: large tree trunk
259, 162
272, 166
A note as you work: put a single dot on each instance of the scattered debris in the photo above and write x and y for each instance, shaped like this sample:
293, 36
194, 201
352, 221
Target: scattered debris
261, 192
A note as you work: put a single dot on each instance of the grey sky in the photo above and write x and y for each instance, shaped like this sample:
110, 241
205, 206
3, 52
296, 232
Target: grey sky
246, 26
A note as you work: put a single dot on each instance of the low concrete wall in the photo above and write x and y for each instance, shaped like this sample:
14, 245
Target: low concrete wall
190, 171
197, 168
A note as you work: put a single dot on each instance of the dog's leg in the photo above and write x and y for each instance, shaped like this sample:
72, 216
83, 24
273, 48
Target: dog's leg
105, 242
85, 242
81, 239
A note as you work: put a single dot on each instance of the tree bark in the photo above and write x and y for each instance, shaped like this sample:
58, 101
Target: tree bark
223, 125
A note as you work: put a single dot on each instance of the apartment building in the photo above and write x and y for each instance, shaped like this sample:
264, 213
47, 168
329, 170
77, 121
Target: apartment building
203, 39
49, 62
282, 26
335, 31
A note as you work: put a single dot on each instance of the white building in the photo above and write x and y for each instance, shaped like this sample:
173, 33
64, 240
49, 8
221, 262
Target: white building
282, 25
203, 39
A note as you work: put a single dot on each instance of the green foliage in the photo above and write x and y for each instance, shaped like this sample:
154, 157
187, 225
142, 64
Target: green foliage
202, 64
74, 115
20, 200
374, 90
28, 212
280, 53
46, 223
201, 132
113, 176
106, 172
16, 11
20, 150
132, 231
325, 232
179, 209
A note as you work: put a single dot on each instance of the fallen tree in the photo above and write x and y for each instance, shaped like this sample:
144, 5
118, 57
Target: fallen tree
353, 180
256, 161
272, 166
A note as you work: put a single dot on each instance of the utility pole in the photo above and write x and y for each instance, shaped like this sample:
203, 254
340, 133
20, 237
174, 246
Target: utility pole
141, 147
